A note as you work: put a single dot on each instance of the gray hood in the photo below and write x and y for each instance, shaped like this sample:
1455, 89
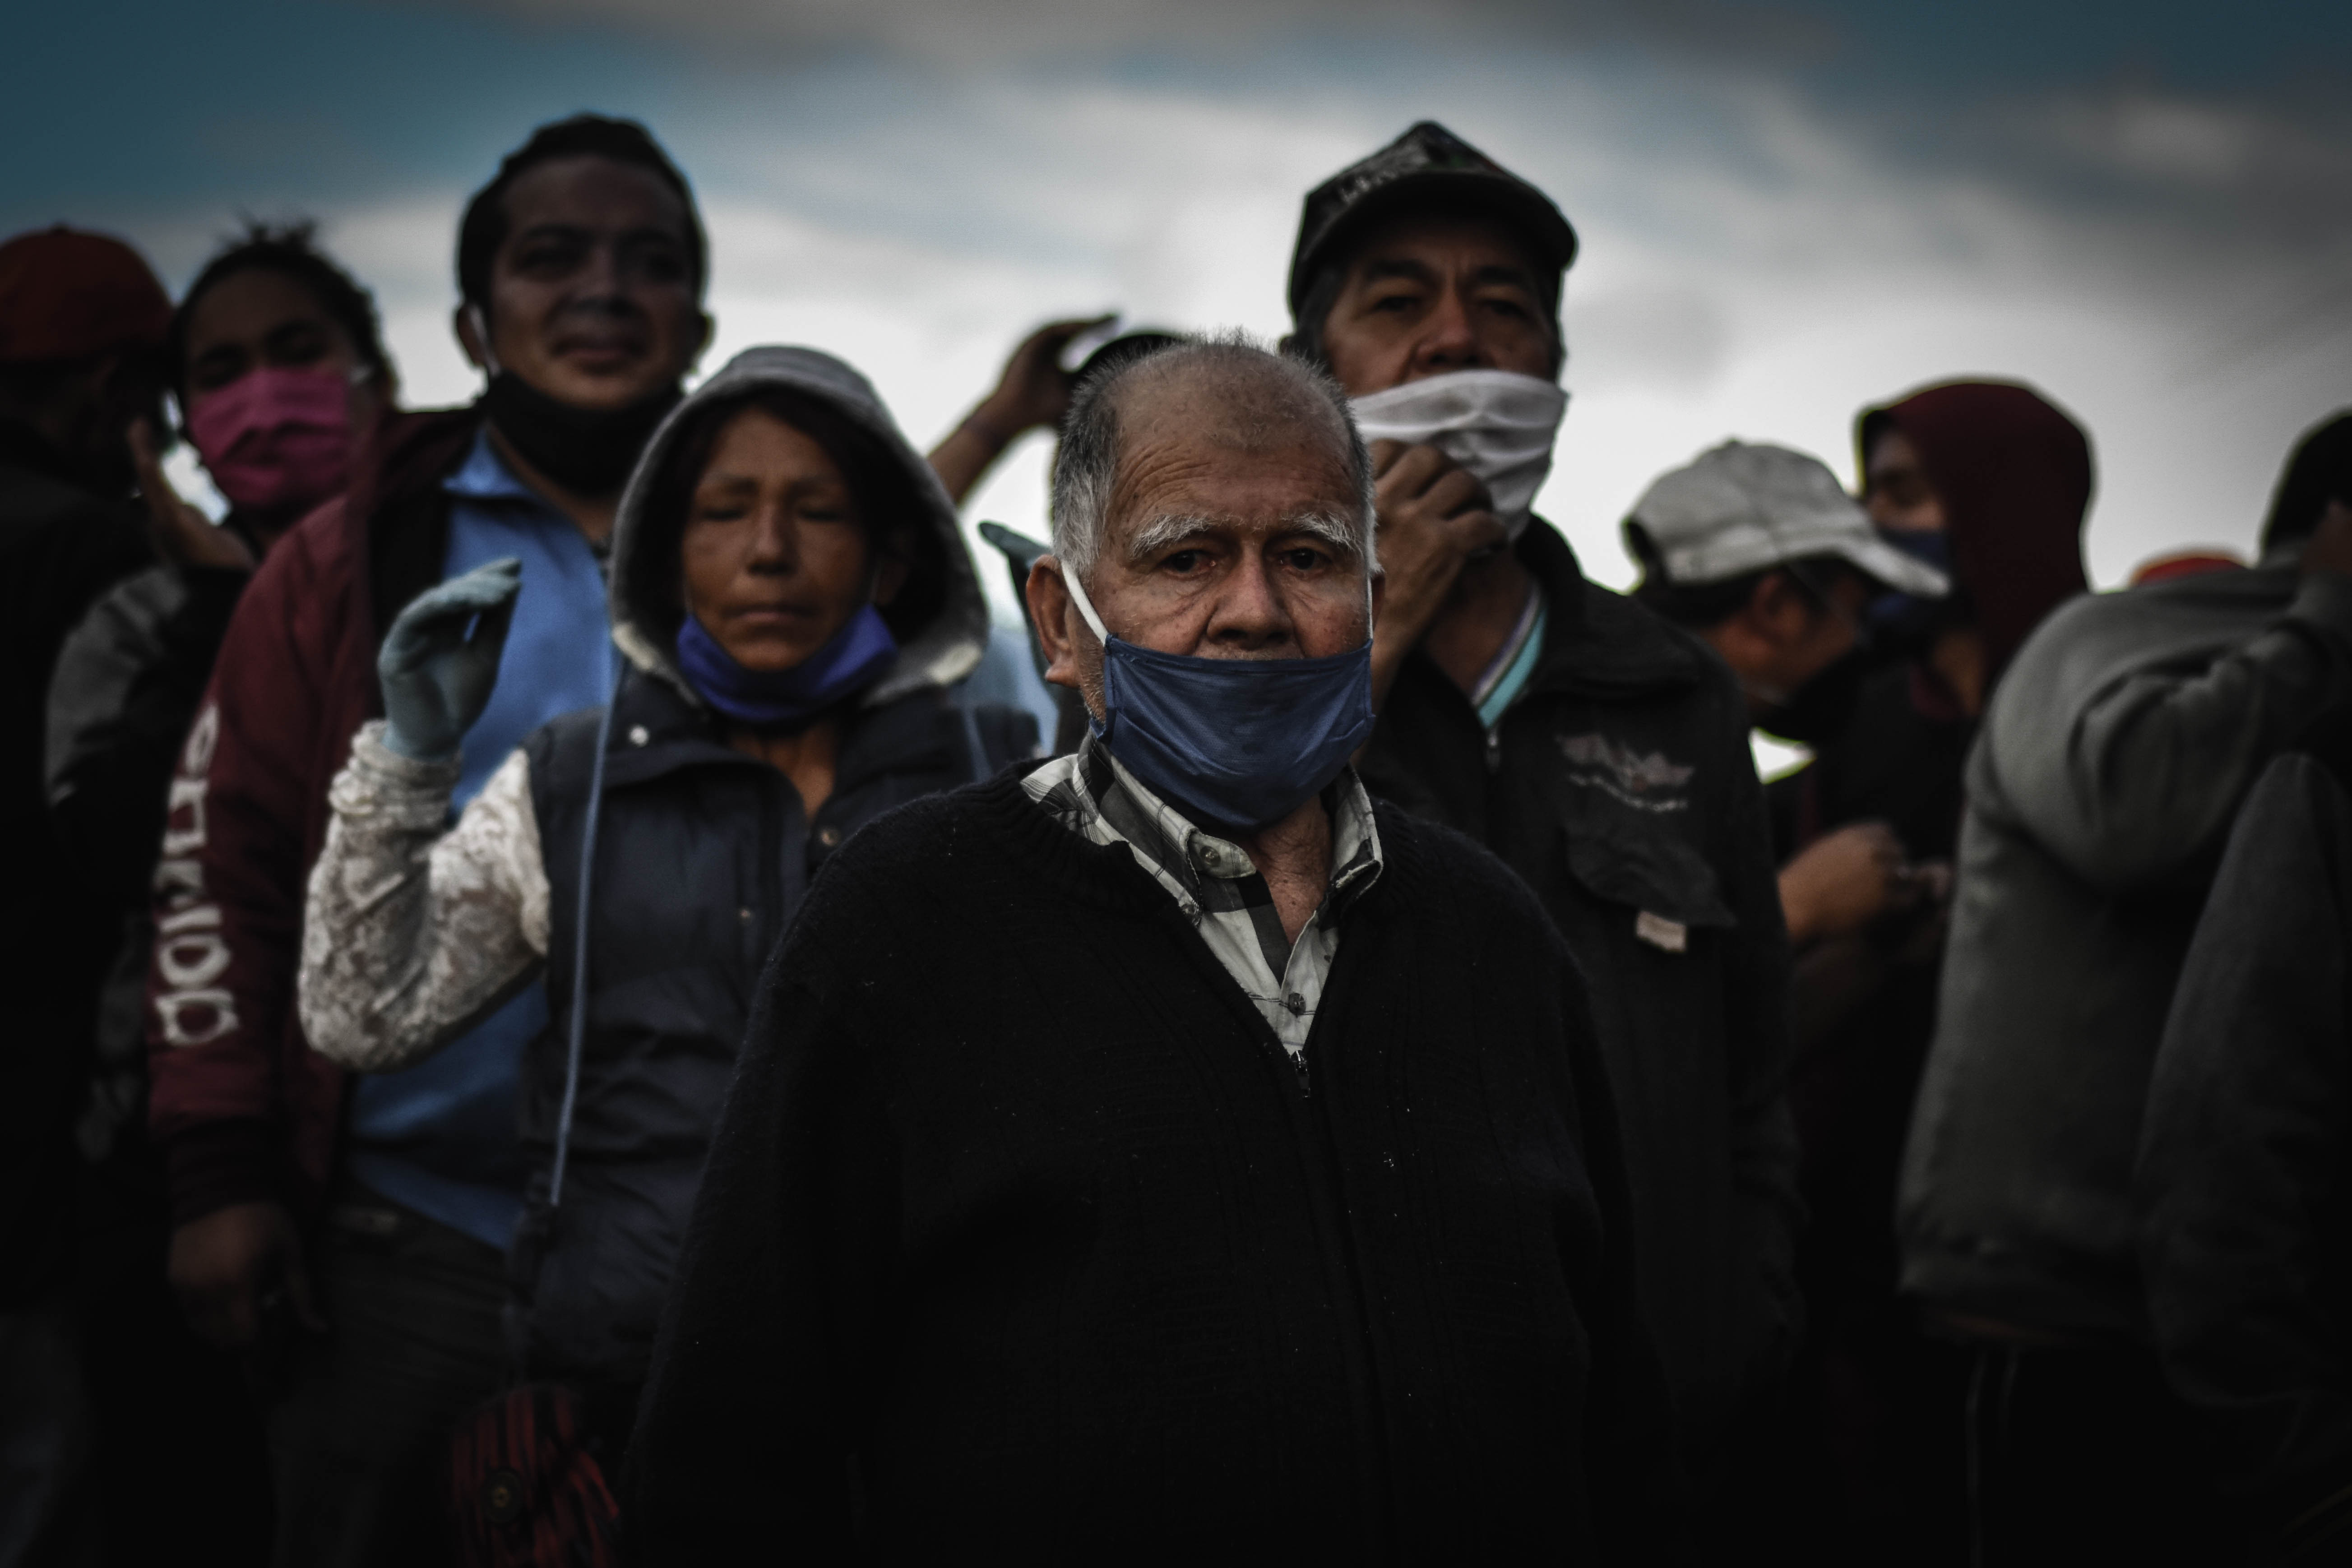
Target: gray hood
942, 649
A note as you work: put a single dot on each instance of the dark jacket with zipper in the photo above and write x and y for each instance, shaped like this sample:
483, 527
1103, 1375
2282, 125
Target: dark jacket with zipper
703, 855
1620, 788
1022, 1239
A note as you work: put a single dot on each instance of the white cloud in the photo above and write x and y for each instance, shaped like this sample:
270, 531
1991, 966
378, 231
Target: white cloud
1753, 265
2216, 146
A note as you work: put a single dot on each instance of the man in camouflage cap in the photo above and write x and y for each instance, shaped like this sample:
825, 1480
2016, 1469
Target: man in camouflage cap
1599, 751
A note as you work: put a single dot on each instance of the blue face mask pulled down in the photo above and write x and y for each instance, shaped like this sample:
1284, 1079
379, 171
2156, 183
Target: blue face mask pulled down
1235, 745
851, 659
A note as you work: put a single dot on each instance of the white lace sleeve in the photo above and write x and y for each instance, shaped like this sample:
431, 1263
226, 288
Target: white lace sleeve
413, 929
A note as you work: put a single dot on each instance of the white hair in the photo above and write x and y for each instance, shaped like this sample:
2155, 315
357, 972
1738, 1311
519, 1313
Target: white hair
1087, 467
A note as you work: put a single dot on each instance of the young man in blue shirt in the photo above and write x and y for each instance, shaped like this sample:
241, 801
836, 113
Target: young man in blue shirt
374, 1223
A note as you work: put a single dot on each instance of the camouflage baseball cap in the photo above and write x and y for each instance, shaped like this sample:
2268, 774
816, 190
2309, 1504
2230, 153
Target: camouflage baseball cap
1427, 166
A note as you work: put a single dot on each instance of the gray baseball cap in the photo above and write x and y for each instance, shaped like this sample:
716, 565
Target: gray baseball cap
1747, 507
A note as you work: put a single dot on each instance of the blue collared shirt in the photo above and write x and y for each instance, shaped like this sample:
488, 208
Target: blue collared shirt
441, 1136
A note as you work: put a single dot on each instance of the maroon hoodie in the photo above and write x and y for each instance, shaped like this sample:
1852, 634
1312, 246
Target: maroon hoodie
2015, 475
242, 1107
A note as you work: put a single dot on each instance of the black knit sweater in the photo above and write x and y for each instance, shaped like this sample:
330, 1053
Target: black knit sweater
1021, 1238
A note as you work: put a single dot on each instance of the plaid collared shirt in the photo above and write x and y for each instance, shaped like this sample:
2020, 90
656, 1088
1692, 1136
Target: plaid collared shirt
1214, 883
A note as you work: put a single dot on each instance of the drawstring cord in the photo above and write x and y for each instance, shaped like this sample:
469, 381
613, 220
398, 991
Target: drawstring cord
578, 1032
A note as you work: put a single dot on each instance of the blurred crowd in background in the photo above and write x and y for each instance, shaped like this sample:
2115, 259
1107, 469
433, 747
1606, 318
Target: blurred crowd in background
403, 859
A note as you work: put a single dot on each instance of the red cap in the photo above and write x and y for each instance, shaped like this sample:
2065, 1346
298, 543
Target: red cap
65, 294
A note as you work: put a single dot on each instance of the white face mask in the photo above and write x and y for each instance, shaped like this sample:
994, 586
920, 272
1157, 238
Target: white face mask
1497, 425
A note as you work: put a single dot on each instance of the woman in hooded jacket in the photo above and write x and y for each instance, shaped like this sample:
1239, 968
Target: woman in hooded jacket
791, 597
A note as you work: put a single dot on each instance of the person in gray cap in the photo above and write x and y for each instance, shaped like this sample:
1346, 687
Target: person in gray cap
1760, 552
1599, 751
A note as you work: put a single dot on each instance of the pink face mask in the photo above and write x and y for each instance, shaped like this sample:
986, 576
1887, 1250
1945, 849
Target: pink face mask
275, 438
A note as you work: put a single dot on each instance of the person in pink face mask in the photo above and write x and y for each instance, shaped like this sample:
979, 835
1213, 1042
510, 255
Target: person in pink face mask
279, 364
278, 367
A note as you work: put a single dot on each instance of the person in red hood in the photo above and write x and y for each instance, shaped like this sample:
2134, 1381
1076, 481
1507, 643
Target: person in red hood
1992, 479
1989, 481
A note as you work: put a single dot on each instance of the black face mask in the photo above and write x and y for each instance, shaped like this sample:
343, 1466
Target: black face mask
1901, 624
1818, 711
589, 450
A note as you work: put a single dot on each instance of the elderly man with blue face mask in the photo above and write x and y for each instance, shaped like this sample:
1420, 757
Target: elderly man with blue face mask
1599, 752
1166, 1150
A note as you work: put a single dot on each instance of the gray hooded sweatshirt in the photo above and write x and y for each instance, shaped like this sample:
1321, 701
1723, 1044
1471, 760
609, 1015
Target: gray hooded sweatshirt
2112, 762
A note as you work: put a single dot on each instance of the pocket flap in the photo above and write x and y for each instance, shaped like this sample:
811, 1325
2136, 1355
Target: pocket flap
1645, 867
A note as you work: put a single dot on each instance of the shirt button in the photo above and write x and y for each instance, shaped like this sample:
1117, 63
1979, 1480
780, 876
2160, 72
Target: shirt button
1296, 1003
744, 914
828, 835
638, 735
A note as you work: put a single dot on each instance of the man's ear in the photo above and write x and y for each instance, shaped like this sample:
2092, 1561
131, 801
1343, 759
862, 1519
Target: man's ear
466, 322
1778, 611
1049, 610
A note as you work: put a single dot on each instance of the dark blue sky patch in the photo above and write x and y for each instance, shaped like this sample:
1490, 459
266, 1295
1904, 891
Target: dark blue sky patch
273, 103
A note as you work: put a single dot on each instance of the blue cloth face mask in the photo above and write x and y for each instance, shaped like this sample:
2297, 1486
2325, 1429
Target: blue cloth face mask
851, 659
1235, 745
1904, 621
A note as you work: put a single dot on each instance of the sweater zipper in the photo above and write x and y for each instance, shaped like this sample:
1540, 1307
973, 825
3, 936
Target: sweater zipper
1316, 1145
771, 869
1331, 1219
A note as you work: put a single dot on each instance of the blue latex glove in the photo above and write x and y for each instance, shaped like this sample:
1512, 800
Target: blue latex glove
441, 660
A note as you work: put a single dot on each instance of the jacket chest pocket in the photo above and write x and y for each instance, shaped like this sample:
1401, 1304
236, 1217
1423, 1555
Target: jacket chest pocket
1634, 854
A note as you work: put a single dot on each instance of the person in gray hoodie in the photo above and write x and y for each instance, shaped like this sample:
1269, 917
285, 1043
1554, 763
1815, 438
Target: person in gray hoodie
791, 597
2113, 760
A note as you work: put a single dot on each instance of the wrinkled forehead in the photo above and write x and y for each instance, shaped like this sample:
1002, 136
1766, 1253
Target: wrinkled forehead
1443, 241
1250, 477
1255, 409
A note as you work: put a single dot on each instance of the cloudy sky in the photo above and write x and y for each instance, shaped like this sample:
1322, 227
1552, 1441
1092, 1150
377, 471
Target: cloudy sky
1788, 209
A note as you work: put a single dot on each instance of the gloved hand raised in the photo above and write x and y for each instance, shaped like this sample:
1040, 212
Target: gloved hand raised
437, 678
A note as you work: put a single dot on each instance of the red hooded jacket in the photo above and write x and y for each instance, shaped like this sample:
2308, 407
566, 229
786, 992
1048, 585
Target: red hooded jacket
2015, 475
242, 1107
